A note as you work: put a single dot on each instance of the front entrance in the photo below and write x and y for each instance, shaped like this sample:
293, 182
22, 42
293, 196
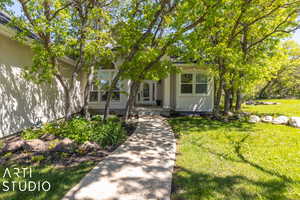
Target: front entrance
147, 93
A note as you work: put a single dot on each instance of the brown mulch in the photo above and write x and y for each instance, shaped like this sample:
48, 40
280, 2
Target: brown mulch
27, 156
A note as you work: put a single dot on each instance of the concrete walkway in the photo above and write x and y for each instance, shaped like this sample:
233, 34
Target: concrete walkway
140, 169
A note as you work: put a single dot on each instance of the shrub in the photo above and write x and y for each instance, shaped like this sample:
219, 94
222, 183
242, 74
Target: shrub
77, 129
111, 133
81, 130
30, 134
38, 158
33, 133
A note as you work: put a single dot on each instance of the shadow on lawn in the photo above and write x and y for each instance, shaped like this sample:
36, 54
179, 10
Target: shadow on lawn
60, 179
224, 187
195, 185
182, 124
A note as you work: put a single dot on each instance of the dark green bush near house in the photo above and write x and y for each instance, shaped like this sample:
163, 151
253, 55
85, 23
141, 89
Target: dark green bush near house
77, 129
81, 130
34, 133
108, 134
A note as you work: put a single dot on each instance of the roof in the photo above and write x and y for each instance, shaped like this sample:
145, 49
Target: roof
5, 19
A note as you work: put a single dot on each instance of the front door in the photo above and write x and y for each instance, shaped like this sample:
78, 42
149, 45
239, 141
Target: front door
147, 93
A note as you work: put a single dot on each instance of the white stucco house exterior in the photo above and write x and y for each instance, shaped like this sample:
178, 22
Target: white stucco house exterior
191, 90
23, 103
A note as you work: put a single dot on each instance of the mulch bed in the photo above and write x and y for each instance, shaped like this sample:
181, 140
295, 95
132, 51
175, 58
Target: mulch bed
52, 150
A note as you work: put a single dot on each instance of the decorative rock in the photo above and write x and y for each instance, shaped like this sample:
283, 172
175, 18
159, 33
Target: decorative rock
13, 146
66, 145
36, 145
89, 146
48, 137
230, 114
250, 102
295, 122
281, 120
254, 119
267, 119
261, 103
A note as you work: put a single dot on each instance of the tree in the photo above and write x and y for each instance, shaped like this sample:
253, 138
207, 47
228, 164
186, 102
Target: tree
284, 79
146, 32
241, 36
62, 28
5, 3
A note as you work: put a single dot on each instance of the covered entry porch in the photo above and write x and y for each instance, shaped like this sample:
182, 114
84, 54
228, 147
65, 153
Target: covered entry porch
154, 93
153, 98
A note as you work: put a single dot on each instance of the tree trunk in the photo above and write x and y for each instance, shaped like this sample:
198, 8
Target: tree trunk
67, 97
219, 93
132, 96
227, 101
263, 90
109, 95
216, 83
232, 91
238, 104
86, 97
68, 105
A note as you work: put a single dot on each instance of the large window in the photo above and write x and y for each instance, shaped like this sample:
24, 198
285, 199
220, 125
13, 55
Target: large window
99, 89
193, 83
94, 92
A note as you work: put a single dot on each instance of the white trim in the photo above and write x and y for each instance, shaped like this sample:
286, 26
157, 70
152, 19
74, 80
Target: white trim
152, 91
194, 83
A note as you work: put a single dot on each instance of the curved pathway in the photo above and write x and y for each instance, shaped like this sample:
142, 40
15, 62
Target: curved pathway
140, 169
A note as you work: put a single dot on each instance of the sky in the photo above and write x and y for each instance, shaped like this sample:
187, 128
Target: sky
17, 10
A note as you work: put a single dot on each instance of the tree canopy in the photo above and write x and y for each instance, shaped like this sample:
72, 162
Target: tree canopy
236, 40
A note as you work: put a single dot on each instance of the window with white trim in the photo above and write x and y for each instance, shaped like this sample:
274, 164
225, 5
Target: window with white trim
99, 91
94, 92
193, 83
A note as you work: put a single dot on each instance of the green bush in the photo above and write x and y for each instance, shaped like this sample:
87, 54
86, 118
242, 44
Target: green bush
110, 133
38, 158
31, 133
77, 129
81, 130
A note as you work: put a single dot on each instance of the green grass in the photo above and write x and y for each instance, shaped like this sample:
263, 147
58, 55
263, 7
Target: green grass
61, 181
288, 107
235, 161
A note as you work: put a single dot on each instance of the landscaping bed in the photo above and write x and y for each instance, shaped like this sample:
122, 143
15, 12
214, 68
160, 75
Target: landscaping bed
60, 152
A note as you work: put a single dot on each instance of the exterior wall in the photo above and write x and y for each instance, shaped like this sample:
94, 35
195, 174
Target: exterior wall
167, 93
23, 103
194, 103
173, 91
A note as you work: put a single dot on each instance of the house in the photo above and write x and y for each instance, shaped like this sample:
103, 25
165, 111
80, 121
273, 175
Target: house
191, 90
24, 104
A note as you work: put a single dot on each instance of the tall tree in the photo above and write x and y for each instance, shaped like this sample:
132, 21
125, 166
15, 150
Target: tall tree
148, 29
284, 79
243, 33
64, 28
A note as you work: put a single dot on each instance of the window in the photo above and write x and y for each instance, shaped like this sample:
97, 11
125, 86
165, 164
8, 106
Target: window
99, 91
94, 93
193, 83
201, 84
186, 83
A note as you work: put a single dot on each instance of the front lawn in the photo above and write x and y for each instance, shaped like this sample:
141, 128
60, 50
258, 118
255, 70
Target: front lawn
60, 179
287, 107
235, 160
